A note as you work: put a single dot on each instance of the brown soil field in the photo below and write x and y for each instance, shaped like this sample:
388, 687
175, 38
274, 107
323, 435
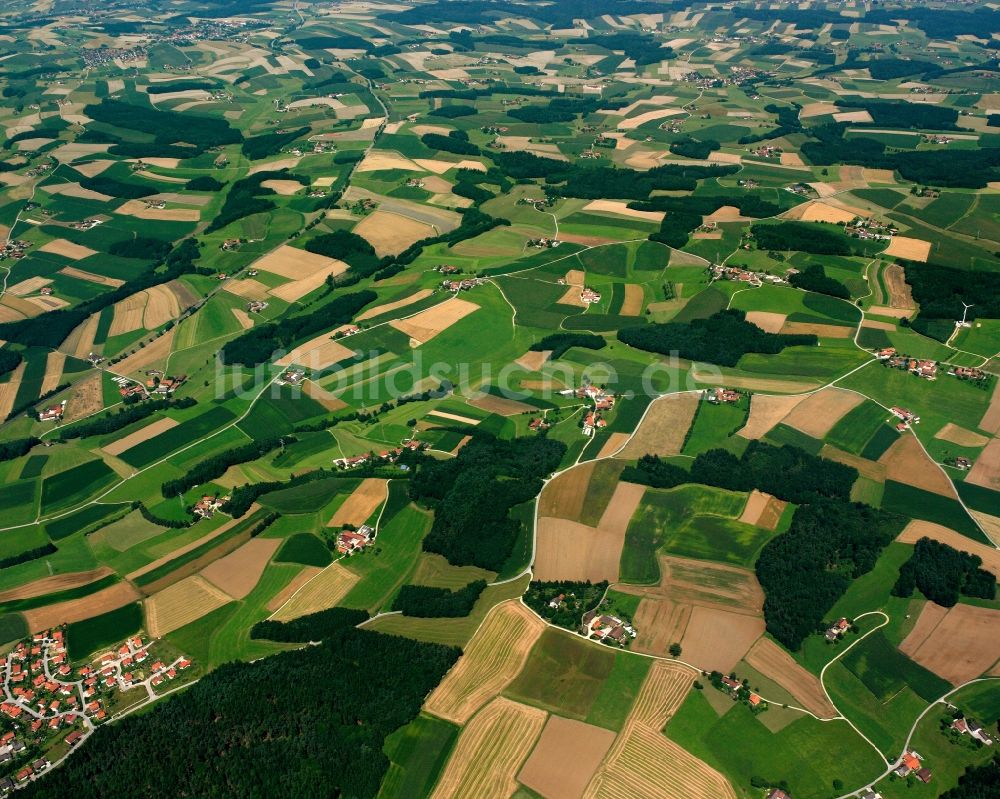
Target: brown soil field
220, 550
885, 310
362, 503
81, 341
249, 289
817, 414
991, 419
294, 263
53, 371
959, 435
76, 190
491, 661
644, 762
767, 321
325, 398
299, 580
323, 591
283, 187
774, 662
489, 752
238, 572
501, 405
824, 331
817, 211
756, 504
620, 207
128, 314
318, 353
243, 318
81, 274
67, 249
427, 324
297, 289
872, 324
718, 639
566, 758
103, 601
452, 417
87, 398
377, 310
58, 582
918, 528
153, 354
634, 298
573, 551
866, 468
563, 497
182, 603
138, 209
664, 426
186, 548
909, 249
906, 462
986, 470
379, 160
29, 286
900, 295
963, 645
8, 390
532, 361
930, 617
161, 307
614, 443
660, 622
790, 159
391, 233
772, 513
143, 434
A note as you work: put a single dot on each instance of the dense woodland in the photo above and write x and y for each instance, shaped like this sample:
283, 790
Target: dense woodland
559, 343
944, 574
814, 278
978, 782
722, 338
309, 628
16, 447
280, 726
429, 602
818, 238
940, 292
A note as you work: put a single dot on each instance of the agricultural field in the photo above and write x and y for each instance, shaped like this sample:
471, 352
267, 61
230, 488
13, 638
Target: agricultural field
334, 336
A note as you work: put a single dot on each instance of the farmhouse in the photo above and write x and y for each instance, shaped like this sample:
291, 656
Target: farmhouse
53, 413
352, 462
592, 421
719, 395
837, 629
910, 763
353, 540
208, 505
973, 728
168, 385
292, 377
777, 793
906, 416
589, 296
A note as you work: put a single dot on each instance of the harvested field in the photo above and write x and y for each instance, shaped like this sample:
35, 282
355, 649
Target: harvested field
80, 274
772, 514
87, 398
566, 758
378, 310
719, 639
299, 580
633, 122
53, 371
391, 233
817, 109
725, 213
161, 307
29, 286
931, 615
817, 414
243, 318
139, 210
532, 361
756, 504
660, 622
909, 249
182, 603
990, 525
318, 353
58, 582
962, 645
489, 752
614, 443
569, 550
439, 167
701, 582
824, 331
644, 762
362, 503
297, 289
885, 310
991, 419
853, 116
92, 169
103, 601
766, 410
906, 462
563, 497
491, 661
327, 399
81, 341
817, 211
248, 288
664, 426
986, 470
774, 662
874, 325
153, 354
791, 159
380, 160
918, 528
323, 591
8, 390
143, 434
620, 207
128, 314
294, 263
67, 249
47, 303
424, 326
454, 417
76, 190
753, 383
284, 187
959, 435
237, 573
634, 298
900, 295
767, 321
501, 405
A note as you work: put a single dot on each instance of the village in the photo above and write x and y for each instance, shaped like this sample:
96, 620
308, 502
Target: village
49, 706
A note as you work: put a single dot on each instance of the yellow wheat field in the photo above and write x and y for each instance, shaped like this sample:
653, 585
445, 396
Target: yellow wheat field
323, 591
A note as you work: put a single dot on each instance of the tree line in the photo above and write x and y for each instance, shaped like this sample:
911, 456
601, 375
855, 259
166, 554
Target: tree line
129, 414
216, 465
430, 602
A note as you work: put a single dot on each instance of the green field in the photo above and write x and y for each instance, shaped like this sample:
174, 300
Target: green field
65, 489
417, 754
83, 638
304, 548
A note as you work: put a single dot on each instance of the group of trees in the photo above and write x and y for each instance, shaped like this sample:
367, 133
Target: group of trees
30, 554
685, 213
473, 494
811, 237
978, 782
9, 360
432, 603
265, 144
249, 196
146, 247
258, 344
16, 447
348, 247
312, 627
722, 338
940, 292
216, 465
943, 574
559, 343
129, 414
814, 278
280, 726
563, 602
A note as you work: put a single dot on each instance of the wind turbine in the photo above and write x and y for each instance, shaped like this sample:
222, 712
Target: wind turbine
965, 311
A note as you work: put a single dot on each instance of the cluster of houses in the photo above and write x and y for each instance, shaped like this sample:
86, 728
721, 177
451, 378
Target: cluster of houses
158, 383
538, 424
53, 413
589, 296
742, 275
964, 725
912, 763
231, 244
603, 401
968, 373
906, 418
837, 629
86, 224
386, 456
455, 286
15, 248
606, 628
921, 367
350, 541
291, 377
128, 387
256, 306
767, 151
862, 227
208, 505
543, 243
719, 395
738, 690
